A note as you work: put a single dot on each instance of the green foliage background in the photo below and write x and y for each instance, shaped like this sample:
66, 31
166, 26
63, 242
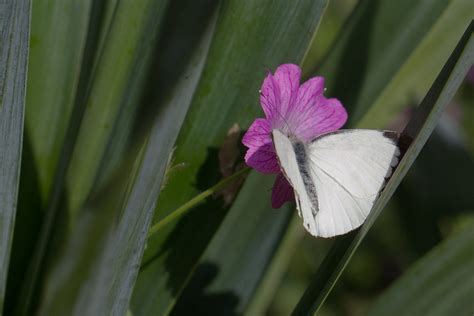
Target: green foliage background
114, 113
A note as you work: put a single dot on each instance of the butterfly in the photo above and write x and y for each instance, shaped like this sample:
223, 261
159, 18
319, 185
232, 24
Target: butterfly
337, 177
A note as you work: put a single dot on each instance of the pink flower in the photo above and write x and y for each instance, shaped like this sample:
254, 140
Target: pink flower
301, 111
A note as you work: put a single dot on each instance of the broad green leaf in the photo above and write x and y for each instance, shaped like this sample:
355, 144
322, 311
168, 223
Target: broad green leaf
418, 129
377, 39
440, 283
250, 37
14, 35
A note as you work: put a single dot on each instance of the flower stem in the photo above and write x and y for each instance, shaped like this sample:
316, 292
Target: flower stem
183, 209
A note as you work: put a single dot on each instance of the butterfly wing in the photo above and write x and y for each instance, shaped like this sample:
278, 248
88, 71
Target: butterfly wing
291, 169
347, 169
350, 168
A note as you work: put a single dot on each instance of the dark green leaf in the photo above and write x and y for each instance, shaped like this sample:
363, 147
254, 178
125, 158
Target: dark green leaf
440, 283
234, 262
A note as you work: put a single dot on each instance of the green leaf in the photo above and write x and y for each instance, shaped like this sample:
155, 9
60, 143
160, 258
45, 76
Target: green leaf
275, 271
418, 129
107, 244
111, 78
57, 44
238, 255
116, 233
14, 35
422, 66
440, 283
125, 52
377, 39
250, 37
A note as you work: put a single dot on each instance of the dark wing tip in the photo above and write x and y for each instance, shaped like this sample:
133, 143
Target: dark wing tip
402, 141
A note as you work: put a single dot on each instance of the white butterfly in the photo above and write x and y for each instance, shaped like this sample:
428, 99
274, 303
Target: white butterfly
337, 176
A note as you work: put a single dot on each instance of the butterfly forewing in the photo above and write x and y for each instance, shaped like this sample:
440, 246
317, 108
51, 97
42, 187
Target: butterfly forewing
290, 167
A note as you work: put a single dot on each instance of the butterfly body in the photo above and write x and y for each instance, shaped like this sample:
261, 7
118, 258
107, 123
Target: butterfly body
337, 176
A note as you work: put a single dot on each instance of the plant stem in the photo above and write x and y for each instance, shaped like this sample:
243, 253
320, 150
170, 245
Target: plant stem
183, 209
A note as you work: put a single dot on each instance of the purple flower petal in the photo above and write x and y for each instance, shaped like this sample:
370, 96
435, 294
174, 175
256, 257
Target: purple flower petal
263, 159
282, 192
258, 134
279, 92
287, 77
326, 115
309, 92
269, 96
261, 154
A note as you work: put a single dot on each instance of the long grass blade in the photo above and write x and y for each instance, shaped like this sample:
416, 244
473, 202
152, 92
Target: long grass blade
14, 36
